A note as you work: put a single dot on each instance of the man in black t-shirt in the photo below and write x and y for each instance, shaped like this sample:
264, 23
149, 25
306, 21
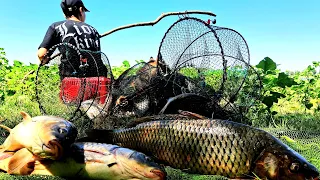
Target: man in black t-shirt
75, 31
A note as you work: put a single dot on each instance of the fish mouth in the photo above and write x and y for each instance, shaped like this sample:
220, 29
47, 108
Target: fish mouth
156, 174
53, 149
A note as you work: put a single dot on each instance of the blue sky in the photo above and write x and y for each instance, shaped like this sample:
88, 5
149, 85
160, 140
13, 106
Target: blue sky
285, 30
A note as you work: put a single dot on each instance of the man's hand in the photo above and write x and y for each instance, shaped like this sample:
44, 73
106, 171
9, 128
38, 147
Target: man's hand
41, 55
44, 60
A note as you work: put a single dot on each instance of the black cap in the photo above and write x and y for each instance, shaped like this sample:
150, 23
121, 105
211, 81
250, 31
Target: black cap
67, 5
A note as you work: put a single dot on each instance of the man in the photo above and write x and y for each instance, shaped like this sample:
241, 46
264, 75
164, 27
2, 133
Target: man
75, 31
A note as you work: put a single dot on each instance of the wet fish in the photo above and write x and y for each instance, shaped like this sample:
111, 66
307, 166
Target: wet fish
91, 161
212, 146
44, 136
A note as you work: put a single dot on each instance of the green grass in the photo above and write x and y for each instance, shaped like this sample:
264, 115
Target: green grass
178, 174
5, 176
173, 174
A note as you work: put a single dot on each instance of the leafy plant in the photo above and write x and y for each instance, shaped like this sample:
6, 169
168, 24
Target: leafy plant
274, 85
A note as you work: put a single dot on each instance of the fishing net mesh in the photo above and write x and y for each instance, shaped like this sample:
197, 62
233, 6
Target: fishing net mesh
216, 63
72, 83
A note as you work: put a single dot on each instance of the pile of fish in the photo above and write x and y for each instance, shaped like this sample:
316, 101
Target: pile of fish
45, 145
48, 145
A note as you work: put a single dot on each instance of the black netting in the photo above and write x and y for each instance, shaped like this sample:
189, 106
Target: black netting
211, 61
81, 82
133, 92
199, 68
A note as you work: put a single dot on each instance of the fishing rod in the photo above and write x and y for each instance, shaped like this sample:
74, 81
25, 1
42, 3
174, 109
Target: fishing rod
151, 23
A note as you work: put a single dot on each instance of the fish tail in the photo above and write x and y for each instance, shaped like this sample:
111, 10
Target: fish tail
5, 127
98, 135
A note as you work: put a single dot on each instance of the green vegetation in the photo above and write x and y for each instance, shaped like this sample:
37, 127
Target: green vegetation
289, 100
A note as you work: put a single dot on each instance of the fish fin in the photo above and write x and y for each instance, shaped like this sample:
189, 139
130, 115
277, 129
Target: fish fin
191, 114
139, 121
5, 127
26, 116
98, 135
182, 114
22, 162
8, 142
266, 163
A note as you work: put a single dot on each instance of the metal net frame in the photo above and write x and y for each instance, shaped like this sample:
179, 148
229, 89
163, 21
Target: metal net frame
147, 88
74, 83
214, 60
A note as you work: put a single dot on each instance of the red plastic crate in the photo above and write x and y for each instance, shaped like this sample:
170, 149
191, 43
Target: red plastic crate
72, 89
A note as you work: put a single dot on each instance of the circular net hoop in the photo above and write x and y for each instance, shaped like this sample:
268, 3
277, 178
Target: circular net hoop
215, 60
73, 84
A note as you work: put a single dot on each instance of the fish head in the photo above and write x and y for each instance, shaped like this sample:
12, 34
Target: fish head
280, 162
55, 134
139, 165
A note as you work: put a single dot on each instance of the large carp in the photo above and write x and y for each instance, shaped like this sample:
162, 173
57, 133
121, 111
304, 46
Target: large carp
89, 161
44, 136
211, 146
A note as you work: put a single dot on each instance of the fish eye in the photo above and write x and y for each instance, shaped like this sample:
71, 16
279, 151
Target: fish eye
294, 167
62, 131
147, 158
142, 157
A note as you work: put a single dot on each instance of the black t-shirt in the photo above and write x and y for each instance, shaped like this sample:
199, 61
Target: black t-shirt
79, 34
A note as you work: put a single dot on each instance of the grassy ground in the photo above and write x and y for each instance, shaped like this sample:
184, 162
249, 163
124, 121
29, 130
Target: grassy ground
11, 177
173, 174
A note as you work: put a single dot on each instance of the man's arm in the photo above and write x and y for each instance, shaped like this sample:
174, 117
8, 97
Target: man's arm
48, 41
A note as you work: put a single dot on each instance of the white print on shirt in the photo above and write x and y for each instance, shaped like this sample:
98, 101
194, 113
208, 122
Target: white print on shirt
81, 42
